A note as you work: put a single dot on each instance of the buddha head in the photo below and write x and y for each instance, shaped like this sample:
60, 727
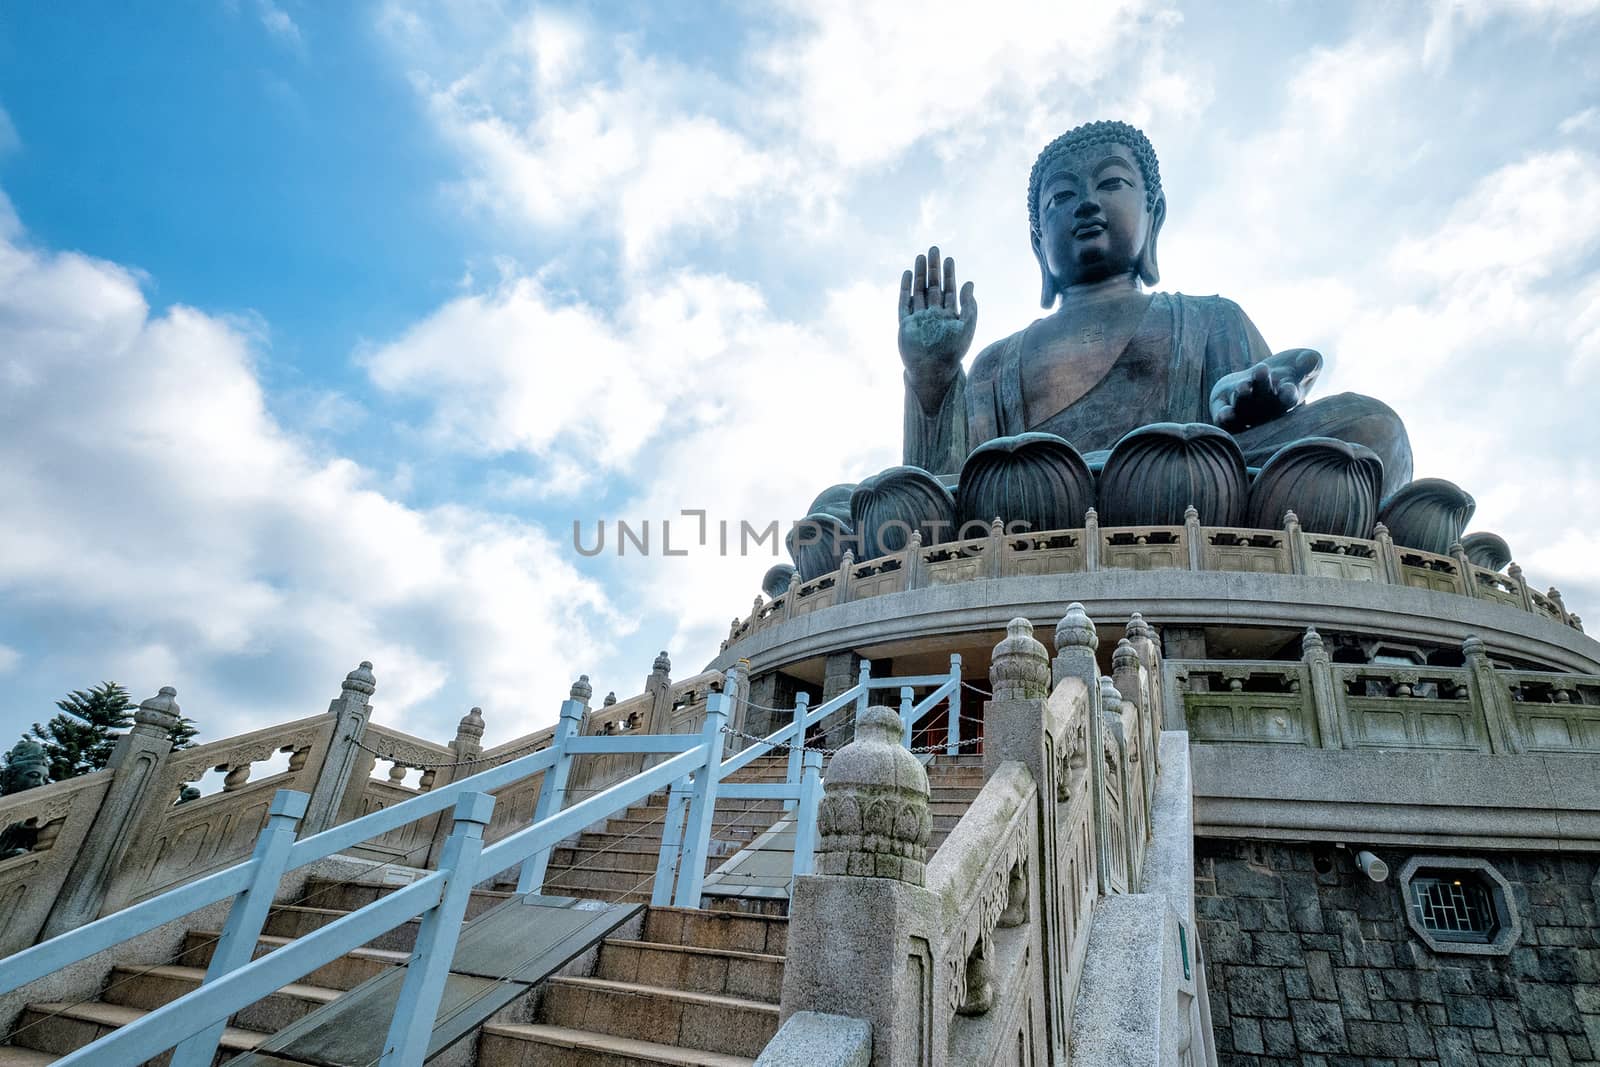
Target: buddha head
1095, 207
27, 767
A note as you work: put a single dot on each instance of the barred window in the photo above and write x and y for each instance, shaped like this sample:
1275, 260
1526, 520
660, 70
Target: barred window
1454, 906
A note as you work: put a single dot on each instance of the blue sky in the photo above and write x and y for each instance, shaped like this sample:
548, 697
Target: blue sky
320, 324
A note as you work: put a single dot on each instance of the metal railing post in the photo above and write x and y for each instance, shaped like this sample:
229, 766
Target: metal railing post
553, 790
671, 845
906, 703
802, 705
953, 738
702, 807
429, 966
805, 817
237, 945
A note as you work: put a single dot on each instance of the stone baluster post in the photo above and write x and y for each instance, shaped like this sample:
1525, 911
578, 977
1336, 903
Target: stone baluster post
789, 598
997, 547
1114, 720
1464, 565
1295, 538
1388, 556
737, 687
841, 589
864, 931
659, 685
1555, 598
1325, 702
1492, 697
1076, 641
1514, 572
1017, 727
135, 792
467, 746
1144, 640
345, 762
914, 574
1131, 683
1192, 538
1091, 540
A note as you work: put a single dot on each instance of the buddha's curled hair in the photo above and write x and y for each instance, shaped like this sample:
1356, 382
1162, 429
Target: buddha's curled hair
1095, 133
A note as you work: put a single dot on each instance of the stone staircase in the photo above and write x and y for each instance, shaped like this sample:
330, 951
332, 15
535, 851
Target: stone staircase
692, 987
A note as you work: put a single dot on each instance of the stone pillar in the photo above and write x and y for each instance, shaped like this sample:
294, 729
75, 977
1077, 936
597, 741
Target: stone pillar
1076, 641
1492, 697
1017, 727
1145, 642
1192, 538
1514, 572
840, 671
763, 695
1295, 538
1184, 642
135, 766
863, 931
351, 710
738, 679
1325, 702
468, 745
1132, 684
1388, 558
1091, 540
659, 686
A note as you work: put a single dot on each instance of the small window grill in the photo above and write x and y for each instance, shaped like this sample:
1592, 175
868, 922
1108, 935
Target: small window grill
1454, 906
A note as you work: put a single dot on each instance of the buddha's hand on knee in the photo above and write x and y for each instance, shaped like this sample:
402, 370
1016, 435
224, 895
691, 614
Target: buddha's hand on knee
936, 326
1265, 391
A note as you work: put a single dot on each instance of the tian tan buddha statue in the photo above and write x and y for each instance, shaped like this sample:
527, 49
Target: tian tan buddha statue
1137, 403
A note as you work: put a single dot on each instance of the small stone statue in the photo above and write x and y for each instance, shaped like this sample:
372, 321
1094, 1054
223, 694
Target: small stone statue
27, 767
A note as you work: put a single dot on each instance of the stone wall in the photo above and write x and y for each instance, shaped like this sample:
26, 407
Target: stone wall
1322, 969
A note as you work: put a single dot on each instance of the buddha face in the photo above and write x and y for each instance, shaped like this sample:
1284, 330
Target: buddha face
20, 776
1093, 222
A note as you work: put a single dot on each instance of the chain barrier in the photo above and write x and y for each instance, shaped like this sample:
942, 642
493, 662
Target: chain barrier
498, 757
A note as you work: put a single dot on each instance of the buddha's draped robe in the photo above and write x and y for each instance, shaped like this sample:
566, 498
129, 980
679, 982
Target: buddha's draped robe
1181, 347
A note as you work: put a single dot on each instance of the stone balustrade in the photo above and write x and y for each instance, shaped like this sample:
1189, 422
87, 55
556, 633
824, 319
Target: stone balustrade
980, 960
85, 847
1313, 702
1006, 554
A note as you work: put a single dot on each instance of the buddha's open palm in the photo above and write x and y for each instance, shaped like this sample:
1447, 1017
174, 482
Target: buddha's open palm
1260, 394
936, 326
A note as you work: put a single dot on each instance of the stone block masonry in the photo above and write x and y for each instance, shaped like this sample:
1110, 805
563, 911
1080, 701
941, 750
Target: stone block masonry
1321, 969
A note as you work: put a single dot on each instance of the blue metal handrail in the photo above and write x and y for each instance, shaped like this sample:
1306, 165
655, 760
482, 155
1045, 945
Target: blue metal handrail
693, 770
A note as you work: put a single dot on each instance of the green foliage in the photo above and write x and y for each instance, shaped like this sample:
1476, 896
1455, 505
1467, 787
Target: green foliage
82, 737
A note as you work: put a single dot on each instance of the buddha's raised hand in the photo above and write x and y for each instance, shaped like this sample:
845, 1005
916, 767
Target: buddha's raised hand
935, 326
1260, 394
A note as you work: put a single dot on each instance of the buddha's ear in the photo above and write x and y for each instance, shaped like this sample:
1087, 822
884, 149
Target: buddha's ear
1047, 285
1149, 271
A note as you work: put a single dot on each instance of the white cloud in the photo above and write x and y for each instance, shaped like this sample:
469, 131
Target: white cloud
9, 658
9, 141
278, 23
162, 528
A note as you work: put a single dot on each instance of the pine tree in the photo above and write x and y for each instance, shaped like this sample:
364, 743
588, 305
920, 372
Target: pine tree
183, 733
82, 737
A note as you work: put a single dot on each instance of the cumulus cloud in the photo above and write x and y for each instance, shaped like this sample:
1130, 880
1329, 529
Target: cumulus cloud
163, 528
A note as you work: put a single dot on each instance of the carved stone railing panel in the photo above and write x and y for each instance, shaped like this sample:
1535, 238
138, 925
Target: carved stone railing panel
1555, 712
1424, 570
1423, 707
1249, 701
1245, 551
408, 845
52, 821
1031, 555
956, 561
179, 842
1144, 548
879, 576
1492, 585
983, 877
1353, 559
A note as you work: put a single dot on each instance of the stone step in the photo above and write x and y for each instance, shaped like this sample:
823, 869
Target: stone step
148, 988
741, 932
535, 1045
348, 896
748, 975
296, 920
607, 881
63, 1028
346, 972
702, 1021
15, 1056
